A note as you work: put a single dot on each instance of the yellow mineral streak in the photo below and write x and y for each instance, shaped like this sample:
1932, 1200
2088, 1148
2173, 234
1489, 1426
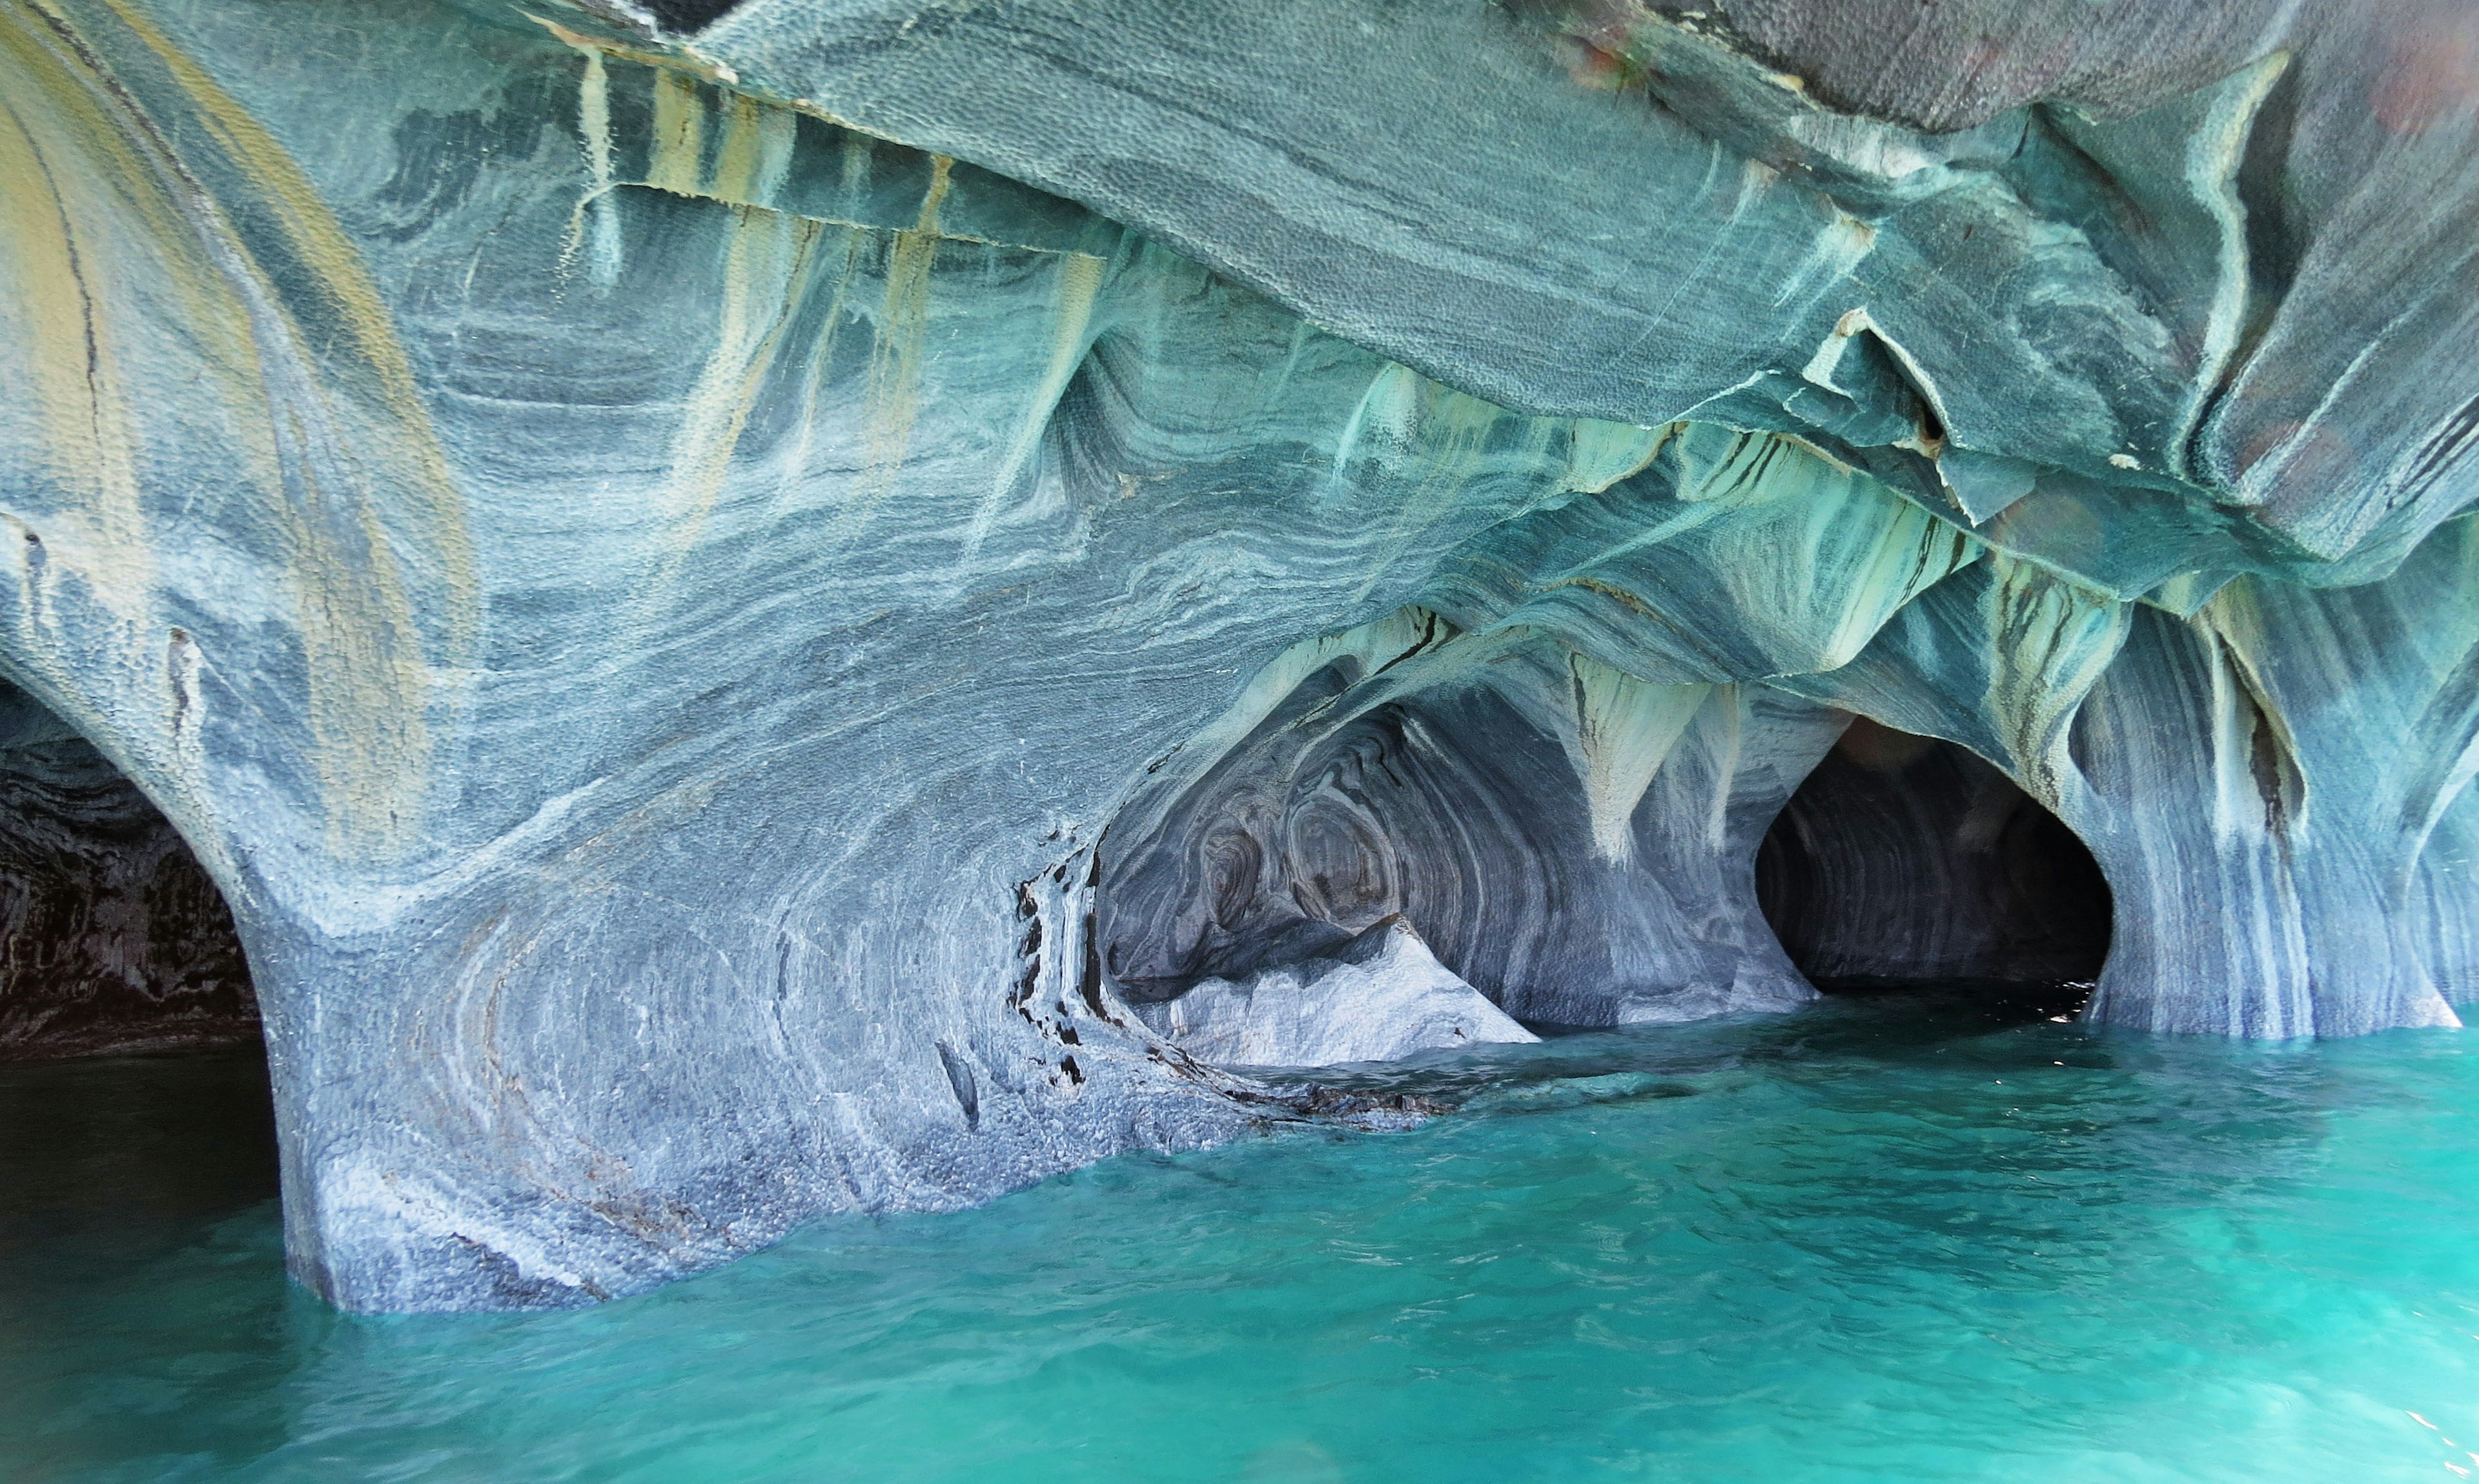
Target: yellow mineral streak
755, 154
369, 682
696, 68
765, 271
90, 222
668, 62
752, 157
892, 400
339, 274
2187, 592
366, 677
594, 128
2050, 640
1080, 282
677, 153
821, 360
1625, 730
55, 257
1600, 454
735, 158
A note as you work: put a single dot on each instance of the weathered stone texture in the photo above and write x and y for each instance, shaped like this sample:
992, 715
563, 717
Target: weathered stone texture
714, 653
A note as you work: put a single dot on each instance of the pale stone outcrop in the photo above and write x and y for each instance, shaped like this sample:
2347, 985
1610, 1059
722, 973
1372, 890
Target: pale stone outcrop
1381, 996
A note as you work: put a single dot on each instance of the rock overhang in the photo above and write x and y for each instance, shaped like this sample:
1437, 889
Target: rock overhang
704, 576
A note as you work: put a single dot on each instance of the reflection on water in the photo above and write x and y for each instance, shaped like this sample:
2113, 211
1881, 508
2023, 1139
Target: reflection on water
1897, 1238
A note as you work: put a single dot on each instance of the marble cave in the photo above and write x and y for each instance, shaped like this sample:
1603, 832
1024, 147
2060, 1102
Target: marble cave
711, 614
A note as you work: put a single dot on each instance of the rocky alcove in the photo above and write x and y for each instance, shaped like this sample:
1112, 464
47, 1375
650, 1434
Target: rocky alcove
732, 613
1907, 859
112, 938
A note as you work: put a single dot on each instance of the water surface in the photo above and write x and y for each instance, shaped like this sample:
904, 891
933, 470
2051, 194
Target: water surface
1897, 1238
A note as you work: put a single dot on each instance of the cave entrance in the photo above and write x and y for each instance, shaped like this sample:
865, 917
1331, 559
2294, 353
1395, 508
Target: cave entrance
1906, 861
112, 938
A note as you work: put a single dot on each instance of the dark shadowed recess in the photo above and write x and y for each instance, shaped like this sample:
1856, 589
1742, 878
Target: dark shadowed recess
1906, 859
112, 938
682, 17
116, 1159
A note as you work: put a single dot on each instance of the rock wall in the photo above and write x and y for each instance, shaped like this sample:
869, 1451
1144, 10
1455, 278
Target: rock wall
707, 648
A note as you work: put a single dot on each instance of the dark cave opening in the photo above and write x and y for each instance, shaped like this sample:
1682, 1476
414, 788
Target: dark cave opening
134, 1090
682, 18
1906, 860
113, 936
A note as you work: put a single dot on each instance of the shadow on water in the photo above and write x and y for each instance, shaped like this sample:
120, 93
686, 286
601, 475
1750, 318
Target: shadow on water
140, 1261
1859, 1021
122, 1158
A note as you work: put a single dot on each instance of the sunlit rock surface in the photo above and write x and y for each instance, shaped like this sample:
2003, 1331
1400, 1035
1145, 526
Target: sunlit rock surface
1378, 997
722, 607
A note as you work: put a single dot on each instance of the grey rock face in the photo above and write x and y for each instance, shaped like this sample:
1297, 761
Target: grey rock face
719, 658
1573, 841
1380, 997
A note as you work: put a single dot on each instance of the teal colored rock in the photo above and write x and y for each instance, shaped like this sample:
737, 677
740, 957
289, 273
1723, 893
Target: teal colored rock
737, 602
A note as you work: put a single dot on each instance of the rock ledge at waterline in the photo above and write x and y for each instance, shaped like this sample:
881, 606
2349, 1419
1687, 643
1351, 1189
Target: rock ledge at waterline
645, 565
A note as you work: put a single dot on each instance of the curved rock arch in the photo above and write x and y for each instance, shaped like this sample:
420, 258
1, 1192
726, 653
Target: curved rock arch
1904, 859
116, 937
647, 594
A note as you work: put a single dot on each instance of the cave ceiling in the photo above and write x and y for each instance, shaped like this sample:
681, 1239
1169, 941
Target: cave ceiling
739, 598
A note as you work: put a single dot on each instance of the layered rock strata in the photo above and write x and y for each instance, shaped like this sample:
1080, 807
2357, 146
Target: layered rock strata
722, 607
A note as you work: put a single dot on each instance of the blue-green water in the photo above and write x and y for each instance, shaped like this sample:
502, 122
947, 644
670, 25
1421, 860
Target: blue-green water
1885, 1239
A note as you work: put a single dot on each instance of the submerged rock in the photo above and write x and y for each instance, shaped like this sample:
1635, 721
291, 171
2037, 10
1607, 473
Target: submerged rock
1381, 997
722, 607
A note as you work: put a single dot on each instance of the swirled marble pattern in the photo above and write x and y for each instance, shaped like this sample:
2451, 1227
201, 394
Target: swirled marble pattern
724, 607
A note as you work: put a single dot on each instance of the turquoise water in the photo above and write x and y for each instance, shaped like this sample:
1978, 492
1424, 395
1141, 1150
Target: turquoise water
1893, 1238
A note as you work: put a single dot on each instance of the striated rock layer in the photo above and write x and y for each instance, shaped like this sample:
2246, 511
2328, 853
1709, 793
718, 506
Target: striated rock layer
724, 609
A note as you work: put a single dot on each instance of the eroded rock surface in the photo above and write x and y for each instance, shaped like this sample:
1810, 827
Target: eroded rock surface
722, 607
1379, 997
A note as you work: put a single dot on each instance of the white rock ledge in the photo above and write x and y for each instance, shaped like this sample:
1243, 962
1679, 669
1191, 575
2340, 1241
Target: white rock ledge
1382, 997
